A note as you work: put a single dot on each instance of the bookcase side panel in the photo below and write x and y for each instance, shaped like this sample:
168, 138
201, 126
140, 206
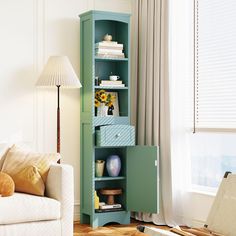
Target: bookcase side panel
86, 65
87, 153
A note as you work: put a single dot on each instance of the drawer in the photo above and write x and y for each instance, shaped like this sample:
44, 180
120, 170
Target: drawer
115, 135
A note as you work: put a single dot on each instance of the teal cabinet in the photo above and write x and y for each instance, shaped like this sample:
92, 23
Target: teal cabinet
102, 136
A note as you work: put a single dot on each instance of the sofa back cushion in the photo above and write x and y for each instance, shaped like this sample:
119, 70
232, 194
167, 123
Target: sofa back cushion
4, 148
29, 170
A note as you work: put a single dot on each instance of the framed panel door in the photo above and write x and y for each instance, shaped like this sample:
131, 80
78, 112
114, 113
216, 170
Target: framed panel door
142, 179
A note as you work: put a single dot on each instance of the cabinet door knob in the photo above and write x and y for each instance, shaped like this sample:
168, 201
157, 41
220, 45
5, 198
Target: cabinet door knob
118, 135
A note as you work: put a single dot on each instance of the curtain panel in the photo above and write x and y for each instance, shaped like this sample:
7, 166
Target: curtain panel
150, 94
150, 87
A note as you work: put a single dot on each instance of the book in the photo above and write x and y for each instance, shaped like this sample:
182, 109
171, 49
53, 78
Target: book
110, 47
108, 210
113, 206
108, 55
109, 44
111, 82
112, 51
112, 85
109, 52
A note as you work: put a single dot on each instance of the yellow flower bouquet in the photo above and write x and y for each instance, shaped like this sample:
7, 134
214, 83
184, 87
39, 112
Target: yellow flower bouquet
104, 102
103, 97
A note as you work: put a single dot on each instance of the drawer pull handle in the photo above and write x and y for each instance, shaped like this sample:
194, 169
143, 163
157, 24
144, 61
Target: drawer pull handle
118, 135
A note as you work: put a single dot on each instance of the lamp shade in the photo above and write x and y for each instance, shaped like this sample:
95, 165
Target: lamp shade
58, 72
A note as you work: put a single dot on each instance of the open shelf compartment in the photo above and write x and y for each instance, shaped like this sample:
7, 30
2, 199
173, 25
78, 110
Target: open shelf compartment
118, 30
104, 68
109, 182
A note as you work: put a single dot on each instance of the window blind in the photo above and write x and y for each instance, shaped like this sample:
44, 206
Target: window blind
215, 65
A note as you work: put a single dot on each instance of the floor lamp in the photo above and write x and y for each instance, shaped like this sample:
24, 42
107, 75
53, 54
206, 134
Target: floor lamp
58, 72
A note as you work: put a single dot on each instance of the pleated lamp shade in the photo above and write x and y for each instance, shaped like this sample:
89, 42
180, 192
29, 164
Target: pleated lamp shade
58, 71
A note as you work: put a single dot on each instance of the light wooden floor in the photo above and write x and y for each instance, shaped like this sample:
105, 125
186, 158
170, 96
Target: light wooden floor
110, 230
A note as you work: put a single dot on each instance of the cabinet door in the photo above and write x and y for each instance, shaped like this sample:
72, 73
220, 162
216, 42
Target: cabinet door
142, 179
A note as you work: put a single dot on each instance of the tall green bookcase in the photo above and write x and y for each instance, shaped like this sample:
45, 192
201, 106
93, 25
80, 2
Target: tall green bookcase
139, 173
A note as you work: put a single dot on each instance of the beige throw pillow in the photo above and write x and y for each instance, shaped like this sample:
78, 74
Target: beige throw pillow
28, 170
29, 180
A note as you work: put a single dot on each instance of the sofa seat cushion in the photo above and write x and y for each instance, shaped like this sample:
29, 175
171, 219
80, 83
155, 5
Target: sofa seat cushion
21, 207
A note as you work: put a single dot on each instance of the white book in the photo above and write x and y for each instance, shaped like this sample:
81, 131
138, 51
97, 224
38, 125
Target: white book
112, 85
103, 50
113, 52
109, 44
111, 82
114, 206
109, 47
108, 55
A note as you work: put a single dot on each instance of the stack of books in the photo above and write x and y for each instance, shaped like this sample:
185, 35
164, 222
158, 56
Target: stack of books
109, 208
110, 83
109, 49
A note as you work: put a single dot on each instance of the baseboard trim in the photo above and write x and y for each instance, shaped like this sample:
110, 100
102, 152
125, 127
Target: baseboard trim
76, 211
198, 223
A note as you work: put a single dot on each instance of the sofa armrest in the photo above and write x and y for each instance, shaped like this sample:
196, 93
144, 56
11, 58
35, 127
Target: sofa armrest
60, 186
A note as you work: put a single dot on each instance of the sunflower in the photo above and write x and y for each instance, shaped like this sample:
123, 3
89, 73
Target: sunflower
113, 98
97, 95
96, 102
101, 92
103, 97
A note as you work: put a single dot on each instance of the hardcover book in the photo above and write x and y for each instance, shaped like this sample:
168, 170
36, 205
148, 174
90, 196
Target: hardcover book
110, 82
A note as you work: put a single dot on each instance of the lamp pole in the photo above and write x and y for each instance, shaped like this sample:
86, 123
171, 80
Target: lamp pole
58, 121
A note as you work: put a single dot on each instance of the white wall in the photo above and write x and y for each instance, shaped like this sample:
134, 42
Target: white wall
31, 31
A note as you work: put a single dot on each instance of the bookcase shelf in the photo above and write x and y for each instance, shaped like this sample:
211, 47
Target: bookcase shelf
135, 160
112, 147
110, 120
111, 87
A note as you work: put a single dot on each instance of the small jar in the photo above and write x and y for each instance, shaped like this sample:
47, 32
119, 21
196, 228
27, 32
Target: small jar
96, 81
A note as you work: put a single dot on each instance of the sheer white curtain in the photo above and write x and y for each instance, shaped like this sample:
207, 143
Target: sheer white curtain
158, 121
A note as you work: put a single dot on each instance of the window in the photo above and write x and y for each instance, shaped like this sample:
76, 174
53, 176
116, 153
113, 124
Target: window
213, 151
215, 65
212, 154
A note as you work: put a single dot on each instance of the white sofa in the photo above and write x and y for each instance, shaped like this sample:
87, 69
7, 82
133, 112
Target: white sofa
52, 215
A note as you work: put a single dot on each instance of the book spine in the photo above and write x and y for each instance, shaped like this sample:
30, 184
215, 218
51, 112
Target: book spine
109, 47
108, 210
108, 44
108, 55
114, 206
104, 51
112, 86
111, 82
